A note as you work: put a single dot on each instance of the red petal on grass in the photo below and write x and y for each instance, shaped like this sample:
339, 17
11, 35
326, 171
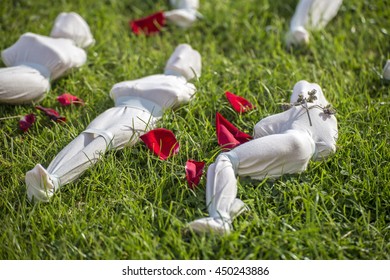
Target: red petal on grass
239, 104
26, 122
162, 142
52, 114
67, 99
194, 171
228, 135
148, 25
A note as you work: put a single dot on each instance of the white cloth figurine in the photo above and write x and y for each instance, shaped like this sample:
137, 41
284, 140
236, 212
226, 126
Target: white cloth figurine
283, 144
386, 71
185, 12
310, 15
139, 104
35, 60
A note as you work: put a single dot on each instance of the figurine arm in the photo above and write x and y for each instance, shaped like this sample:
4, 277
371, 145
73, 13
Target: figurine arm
272, 124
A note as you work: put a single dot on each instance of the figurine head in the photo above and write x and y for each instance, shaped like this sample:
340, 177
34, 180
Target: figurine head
72, 26
304, 89
184, 61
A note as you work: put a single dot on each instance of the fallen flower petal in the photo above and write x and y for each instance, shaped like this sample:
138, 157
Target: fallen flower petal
162, 142
194, 171
26, 122
67, 99
239, 104
228, 135
52, 114
148, 25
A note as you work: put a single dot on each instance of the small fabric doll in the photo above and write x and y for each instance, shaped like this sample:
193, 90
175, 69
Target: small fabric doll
283, 144
139, 104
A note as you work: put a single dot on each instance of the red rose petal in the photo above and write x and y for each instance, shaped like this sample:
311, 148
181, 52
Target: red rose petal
239, 104
148, 25
228, 135
26, 122
194, 171
67, 99
52, 114
162, 142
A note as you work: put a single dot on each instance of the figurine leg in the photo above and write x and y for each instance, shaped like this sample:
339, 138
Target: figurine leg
113, 129
69, 164
269, 156
22, 85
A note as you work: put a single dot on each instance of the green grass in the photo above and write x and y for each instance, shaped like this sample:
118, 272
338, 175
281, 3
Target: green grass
132, 205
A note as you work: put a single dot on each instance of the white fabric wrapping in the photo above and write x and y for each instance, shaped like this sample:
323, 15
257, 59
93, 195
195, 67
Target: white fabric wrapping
57, 55
185, 4
283, 144
312, 15
184, 14
185, 62
139, 105
114, 128
166, 91
321, 12
72, 26
386, 71
36, 60
219, 200
181, 17
23, 84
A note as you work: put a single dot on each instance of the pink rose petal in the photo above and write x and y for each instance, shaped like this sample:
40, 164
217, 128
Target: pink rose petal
26, 122
228, 135
162, 142
194, 171
239, 104
148, 25
52, 114
67, 99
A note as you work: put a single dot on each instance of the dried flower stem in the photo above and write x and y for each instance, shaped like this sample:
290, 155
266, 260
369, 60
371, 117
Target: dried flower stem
328, 109
307, 111
13, 117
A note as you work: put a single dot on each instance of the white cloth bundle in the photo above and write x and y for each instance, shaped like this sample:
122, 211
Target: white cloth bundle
166, 91
185, 12
184, 62
55, 55
310, 15
72, 26
283, 144
35, 60
139, 104
23, 84
185, 4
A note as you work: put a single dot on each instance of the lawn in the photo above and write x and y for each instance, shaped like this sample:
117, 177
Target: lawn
132, 205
